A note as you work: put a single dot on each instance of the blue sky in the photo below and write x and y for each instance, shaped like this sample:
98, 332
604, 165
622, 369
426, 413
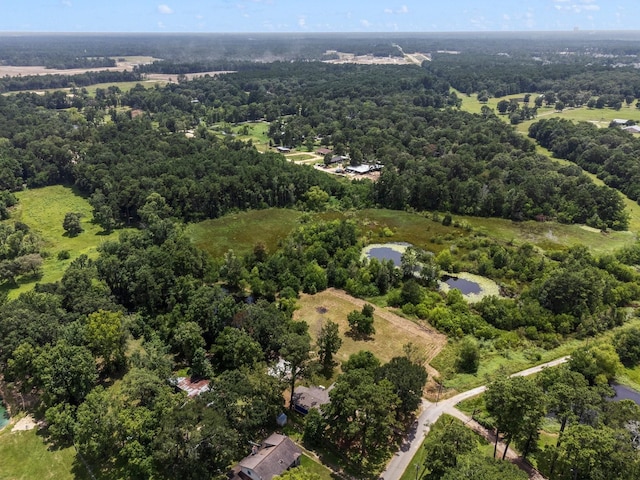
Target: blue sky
315, 16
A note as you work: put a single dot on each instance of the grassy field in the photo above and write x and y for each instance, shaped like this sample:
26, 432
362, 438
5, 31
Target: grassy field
43, 209
302, 157
25, 456
392, 332
237, 231
124, 86
241, 231
255, 131
431, 235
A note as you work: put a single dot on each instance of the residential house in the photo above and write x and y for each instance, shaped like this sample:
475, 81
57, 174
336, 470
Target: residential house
306, 398
273, 457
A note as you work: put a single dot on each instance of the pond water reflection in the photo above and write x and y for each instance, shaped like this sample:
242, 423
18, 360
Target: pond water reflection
625, 393
388, 252
466, 287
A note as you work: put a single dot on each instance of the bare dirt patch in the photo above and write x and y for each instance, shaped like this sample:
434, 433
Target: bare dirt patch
368, 59
392, 330
24, 424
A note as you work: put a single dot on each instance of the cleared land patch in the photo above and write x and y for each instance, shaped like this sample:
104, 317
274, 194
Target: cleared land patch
392, 331
242, 231
43, 210
25, 456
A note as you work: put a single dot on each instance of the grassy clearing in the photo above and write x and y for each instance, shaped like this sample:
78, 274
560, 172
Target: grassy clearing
301, 157
25, 456
312, 466
241, 231
398, 226
43, 210
494, 363
433, 236
385, 344
549, 235
124, 86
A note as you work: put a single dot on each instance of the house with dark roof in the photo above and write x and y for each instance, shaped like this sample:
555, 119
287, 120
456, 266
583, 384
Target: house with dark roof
306, 398
324, 151
273, 457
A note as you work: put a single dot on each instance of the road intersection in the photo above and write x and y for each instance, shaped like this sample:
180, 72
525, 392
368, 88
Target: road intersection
432, 411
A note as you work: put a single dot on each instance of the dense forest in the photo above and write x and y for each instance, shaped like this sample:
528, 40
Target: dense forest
93, 354
435, 157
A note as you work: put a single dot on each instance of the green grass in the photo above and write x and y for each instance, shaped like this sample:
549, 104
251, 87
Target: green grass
257, 133
25, 456
313, 466
124, 86
301, 157
43, 210
494, 363
431, 235
550, 235
241, 231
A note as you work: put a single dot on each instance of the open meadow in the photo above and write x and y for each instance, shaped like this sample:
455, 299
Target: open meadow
240, 232
43, 210
392, 331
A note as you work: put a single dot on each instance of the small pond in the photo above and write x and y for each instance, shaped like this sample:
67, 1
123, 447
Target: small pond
625, 393
466, 287
4, 417
388, 251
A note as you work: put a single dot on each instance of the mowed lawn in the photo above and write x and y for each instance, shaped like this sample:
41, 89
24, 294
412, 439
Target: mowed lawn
386, 343
240, 232
43, 210
24, 456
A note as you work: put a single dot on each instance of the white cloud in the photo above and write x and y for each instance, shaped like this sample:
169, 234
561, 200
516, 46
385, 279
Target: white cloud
302, 21
403, 10
576, 6
165, 9
365, 23
161, 25
67, 3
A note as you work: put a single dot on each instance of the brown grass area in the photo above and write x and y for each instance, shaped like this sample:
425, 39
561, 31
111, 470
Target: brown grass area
392, 331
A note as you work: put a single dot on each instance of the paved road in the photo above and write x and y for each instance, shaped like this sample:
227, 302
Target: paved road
431, 412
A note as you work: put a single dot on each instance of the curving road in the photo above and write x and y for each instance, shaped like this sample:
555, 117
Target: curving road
432, 411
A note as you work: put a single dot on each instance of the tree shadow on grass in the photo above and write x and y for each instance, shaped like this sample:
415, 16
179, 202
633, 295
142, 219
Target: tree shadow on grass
358, 336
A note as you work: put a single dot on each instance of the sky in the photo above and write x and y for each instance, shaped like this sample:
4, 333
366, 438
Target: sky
217, 16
